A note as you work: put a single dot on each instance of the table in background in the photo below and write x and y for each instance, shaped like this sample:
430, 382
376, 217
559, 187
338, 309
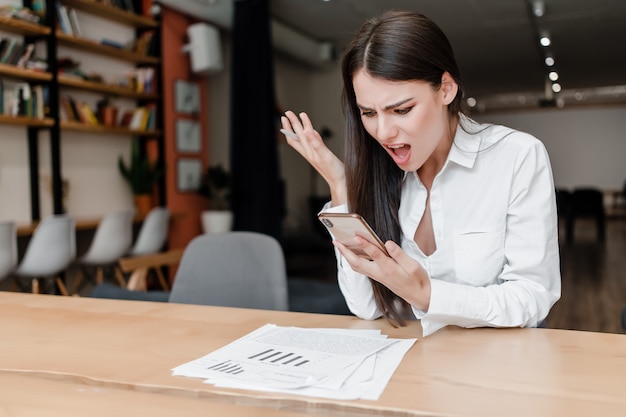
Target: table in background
129, 348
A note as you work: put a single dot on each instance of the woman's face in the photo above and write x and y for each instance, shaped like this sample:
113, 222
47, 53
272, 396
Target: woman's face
409, 119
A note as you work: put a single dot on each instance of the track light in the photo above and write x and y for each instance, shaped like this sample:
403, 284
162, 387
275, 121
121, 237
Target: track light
538, 8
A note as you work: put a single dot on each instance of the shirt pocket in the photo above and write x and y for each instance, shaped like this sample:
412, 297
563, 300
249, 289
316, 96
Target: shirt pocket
479, 256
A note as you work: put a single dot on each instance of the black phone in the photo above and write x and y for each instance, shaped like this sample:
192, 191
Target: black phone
344, 226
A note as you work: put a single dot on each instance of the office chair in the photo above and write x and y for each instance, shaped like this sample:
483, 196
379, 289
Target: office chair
152, 238
586, 202
234, 269
8, 249
111, 241
50, 251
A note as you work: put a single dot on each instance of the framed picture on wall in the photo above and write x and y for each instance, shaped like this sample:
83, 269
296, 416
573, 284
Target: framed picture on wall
188, 136
187, 97
188, 174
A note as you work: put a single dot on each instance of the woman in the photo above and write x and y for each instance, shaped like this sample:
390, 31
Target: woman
468, 211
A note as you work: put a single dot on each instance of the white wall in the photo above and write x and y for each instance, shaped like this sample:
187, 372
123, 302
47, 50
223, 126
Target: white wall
587, 146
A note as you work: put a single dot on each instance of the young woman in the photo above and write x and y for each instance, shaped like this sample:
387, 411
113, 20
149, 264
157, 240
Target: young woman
467, 210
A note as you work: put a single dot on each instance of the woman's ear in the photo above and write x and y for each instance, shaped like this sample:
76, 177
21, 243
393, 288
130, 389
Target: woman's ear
449, 88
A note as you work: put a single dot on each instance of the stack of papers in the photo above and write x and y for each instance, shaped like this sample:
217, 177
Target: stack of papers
330, 363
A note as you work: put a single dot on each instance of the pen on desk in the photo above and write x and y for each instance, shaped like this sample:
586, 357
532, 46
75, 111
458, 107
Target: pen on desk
289, 133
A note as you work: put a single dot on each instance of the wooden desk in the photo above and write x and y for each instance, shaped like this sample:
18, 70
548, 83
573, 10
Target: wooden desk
130, 346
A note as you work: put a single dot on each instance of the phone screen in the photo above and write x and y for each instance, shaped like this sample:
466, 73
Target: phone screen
344, 226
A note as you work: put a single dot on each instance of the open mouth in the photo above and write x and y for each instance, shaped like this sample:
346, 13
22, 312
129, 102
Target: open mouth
400, 152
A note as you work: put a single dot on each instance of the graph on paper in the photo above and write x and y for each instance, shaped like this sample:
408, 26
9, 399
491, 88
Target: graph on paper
287, 357
279, 358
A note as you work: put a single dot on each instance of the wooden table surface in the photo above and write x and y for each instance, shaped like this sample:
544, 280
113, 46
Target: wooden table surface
93, 351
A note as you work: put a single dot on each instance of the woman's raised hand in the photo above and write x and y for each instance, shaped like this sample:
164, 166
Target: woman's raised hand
310, 145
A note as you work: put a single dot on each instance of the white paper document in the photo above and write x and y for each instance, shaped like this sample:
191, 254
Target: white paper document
330, 363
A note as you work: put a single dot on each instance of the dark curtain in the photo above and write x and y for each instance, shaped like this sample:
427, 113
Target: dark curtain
257, 190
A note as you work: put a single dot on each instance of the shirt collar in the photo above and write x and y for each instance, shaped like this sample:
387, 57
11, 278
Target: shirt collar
465, 146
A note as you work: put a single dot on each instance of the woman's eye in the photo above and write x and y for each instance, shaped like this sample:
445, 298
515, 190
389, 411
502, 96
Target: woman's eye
367, 113
403, 111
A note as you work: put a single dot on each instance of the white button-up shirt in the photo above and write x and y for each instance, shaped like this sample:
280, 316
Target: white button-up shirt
494, 219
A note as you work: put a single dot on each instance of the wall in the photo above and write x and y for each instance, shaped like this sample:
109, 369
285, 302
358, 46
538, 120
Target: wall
185, 206
586, 145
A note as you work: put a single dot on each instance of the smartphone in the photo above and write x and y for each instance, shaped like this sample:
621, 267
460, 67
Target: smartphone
344, 226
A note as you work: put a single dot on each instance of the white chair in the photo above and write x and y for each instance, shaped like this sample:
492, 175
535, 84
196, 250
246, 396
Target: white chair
152, 238
8, 249
111, 241
51, 250
234, 269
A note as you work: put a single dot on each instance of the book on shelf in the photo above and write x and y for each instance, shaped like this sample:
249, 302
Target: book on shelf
8, 50
20, 13
23, 100
141, 80
63, 19
88, 115
141, 118
26, 56
112, 43
146, 43
73, 18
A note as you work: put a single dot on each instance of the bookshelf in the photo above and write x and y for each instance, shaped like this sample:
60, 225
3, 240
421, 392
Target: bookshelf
50, 37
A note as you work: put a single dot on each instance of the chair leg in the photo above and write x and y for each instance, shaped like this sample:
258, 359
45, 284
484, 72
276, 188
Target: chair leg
61, 285
35, 286
137, 280
162, 281
80, 274
120, 277
99, 275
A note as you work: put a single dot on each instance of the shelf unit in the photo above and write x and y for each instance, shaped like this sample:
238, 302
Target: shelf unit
57, 82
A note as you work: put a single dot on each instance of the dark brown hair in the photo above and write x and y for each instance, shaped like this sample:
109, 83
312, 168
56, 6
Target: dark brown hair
397, 46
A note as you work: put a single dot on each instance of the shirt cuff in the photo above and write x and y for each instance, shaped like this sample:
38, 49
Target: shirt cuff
341, 208
449, 305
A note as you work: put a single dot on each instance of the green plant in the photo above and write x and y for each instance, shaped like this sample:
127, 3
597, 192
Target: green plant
216, 186
141, 173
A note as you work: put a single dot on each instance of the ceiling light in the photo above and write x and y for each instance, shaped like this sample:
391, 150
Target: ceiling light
549, 61
538, 8
544, 39
556, 87
553, 75
471, 102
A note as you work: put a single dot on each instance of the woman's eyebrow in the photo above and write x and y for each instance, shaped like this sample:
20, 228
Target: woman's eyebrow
389, 106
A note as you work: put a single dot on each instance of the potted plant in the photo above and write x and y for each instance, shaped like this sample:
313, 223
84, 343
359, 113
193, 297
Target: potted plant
141, 174
216, 185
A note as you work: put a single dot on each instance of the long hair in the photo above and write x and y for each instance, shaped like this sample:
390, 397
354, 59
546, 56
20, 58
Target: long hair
397, 46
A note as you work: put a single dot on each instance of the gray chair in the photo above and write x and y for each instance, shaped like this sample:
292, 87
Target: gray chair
8, 249
152, 238
50, 251
111, 241
234, 269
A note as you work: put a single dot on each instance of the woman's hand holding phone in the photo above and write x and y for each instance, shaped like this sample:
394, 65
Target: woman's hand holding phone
385, 262
347, 227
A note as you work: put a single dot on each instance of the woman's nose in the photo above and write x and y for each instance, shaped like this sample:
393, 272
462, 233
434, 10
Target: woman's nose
385, 129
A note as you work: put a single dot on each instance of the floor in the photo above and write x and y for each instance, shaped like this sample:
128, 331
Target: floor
593, 277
